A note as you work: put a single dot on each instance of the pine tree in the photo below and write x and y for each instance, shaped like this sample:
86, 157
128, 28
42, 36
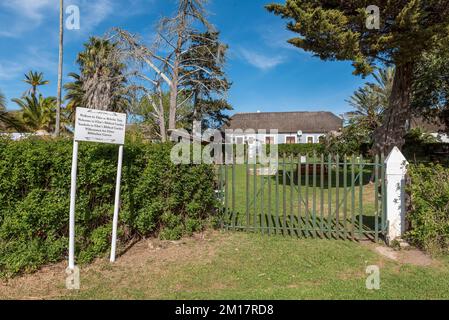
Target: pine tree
208, 84
337, 30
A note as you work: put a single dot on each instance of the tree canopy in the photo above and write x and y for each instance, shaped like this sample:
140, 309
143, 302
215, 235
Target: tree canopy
186, 61
431, 88
337, 30
102, 80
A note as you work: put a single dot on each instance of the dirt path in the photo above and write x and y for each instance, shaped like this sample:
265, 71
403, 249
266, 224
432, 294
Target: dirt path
49, 282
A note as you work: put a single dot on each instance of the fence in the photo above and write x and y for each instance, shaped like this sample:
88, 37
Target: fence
328, 196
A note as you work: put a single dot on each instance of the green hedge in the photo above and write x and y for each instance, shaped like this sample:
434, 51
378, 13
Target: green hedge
289, 149
427, 152
429, 212
158, 198
296, 149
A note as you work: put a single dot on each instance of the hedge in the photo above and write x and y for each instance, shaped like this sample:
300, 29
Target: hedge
287, 149
428, 214
296, 149
430, 152
158, 198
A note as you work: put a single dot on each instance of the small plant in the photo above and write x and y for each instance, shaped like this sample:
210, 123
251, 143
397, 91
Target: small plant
429, 214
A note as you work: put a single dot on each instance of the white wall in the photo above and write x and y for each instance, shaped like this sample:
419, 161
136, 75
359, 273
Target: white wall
441, 136
279, 138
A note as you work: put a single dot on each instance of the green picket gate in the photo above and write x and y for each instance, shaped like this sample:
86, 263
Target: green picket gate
326, 196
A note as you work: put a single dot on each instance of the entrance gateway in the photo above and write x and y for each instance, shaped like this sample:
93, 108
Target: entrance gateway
306, 195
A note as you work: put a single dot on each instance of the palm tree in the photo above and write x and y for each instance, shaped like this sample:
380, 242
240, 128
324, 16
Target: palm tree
103, 76
61, 52
7, 120
34, 79
367, 106
74, 95
37, 113
371, 101
383, 84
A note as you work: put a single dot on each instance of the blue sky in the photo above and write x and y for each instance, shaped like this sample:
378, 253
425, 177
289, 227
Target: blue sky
267, 73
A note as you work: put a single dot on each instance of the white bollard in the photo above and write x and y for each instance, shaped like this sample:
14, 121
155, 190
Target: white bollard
396, 169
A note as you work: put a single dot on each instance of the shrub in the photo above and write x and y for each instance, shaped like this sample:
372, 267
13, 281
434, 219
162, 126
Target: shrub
429, 212
158, 198
353, 139
303, 149
287, 149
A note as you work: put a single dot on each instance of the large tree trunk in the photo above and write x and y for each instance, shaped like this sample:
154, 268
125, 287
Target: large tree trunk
161, 119
394, 127
61, 48
162, 130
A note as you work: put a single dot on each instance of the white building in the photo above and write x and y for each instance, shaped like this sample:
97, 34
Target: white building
434, 128
292, 127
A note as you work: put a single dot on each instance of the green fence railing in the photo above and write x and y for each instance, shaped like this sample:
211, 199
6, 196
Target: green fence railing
326, 196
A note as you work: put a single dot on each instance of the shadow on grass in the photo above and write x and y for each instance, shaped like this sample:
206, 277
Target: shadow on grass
308, 226
307, 180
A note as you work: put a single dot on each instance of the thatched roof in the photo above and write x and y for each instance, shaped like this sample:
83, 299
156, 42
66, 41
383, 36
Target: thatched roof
429, 126
287, 122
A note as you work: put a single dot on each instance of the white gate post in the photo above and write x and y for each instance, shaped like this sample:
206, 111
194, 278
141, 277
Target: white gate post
396, 169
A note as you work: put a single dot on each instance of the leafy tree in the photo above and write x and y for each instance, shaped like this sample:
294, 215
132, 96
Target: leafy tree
336, 30
147, 119
431, 88
37, 113
353, 139
34, 79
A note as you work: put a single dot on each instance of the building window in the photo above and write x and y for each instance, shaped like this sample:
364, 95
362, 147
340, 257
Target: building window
290, 140
310, 139
269, 140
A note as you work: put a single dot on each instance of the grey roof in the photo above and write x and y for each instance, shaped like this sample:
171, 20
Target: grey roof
287, 122
428, 125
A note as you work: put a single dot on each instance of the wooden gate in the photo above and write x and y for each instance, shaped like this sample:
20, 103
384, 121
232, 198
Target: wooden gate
328, 196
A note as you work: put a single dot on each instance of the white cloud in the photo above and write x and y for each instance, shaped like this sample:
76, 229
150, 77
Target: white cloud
9, 69
19, 16
261, 61
93, 13
37, 59
32, 9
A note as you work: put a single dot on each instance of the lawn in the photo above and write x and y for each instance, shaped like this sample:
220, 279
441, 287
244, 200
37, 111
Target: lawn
237, 265
339, 202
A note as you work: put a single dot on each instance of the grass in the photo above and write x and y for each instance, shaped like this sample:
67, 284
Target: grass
232, 265
340, 201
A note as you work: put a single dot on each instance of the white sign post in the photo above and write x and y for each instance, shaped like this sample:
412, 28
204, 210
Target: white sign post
103, 127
